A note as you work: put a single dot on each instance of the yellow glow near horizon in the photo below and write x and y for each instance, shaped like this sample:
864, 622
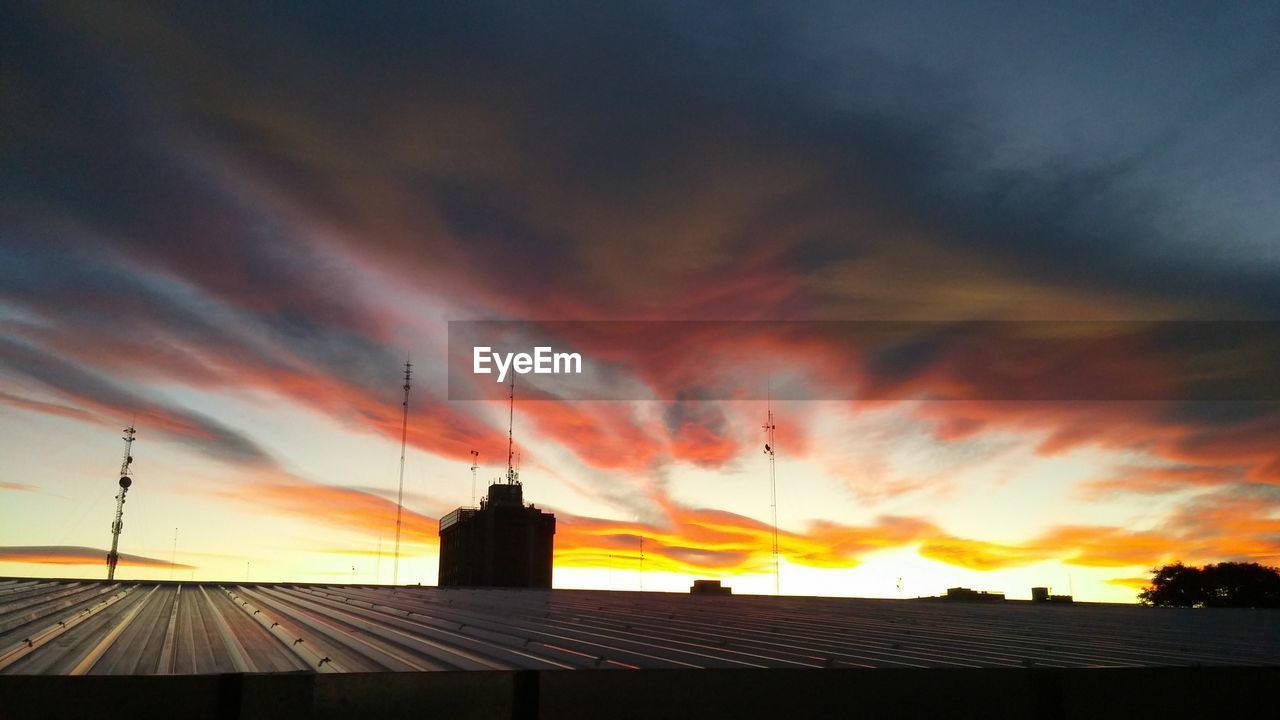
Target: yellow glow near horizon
896, 573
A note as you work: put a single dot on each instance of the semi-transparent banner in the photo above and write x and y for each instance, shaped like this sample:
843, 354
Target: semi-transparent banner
1234, 361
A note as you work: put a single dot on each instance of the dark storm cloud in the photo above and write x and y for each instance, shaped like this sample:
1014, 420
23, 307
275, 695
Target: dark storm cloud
167, 214
1223, 415
553, 143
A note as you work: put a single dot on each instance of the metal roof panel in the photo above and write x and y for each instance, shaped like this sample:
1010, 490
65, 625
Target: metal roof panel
72, 627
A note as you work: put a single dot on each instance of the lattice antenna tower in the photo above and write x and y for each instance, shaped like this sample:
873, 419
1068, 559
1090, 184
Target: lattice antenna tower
475, 465
126, 481
769, 446
513, 474
404, 440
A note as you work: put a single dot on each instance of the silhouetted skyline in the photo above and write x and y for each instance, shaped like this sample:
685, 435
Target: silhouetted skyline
234, 228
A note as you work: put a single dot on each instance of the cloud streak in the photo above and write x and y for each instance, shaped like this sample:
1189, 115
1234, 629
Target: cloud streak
694, 540
106, 398
77, 555
345, 508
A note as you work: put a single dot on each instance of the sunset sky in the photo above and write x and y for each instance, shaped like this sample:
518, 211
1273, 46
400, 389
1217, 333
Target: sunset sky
235, 227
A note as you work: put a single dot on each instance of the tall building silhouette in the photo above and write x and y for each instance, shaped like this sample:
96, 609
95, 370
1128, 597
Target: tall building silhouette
503, 543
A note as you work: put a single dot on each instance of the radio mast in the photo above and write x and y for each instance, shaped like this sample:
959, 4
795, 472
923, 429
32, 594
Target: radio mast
513, 475
769, 427
113, 557
404, 437
475, 465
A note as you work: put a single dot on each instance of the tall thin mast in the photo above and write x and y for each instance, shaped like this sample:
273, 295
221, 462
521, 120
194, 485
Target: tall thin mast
113, 557
511, 422
769, 427
404, 438
475, 465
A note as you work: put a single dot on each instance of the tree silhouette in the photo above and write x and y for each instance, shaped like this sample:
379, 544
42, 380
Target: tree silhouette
1227, 584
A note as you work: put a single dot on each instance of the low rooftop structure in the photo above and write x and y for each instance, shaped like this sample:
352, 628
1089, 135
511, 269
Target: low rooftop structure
966, 595
709, 587
1041, 594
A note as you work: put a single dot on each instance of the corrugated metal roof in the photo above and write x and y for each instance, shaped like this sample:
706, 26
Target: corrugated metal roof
88, 627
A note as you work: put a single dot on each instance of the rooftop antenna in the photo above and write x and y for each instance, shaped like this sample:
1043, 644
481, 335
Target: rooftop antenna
475, 465
113, 557
513, 475
404, 437
769, 427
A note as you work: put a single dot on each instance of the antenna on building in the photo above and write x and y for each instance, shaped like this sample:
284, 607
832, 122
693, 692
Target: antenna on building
513, 475
126, 481
769, 427
475, 465
404, 437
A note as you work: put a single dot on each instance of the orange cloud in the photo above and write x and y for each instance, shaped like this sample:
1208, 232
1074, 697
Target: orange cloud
78, 555
1136, 583
346, 508
1156, 480
702, 446
699, 540
51, 408
980, 555
1108, 547
695, 540
605, 435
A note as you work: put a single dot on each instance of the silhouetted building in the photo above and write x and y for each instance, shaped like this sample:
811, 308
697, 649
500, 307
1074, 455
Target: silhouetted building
709, 587
1041, 594
503, 543
967, 595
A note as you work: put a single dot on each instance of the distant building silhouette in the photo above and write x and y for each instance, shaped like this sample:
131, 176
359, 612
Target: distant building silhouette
1041, 594
503, 543
966, 595
709, 587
